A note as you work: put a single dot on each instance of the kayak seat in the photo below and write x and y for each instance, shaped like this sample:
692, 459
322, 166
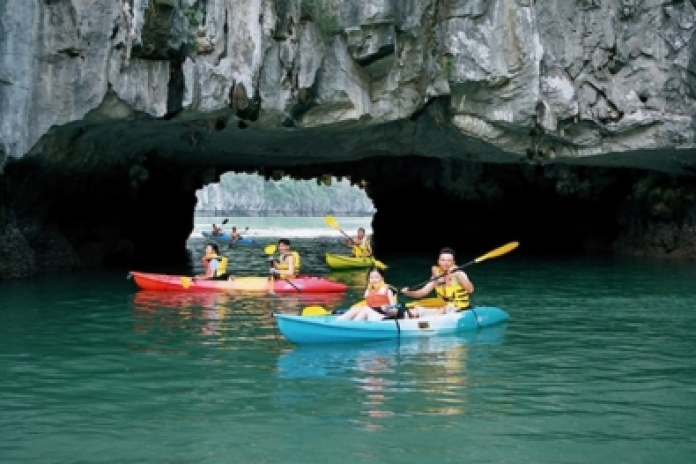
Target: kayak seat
401, 312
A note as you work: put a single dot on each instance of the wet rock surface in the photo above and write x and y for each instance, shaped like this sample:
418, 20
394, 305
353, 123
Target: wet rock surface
545, 112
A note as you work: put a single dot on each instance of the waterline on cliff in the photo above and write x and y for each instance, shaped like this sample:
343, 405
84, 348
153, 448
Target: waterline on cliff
281, 226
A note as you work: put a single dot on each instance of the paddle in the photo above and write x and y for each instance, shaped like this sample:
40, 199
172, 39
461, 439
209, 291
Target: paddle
333, 223
491, 254
269, 250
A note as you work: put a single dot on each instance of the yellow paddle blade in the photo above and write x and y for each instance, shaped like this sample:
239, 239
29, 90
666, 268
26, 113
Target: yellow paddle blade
359, 303
498, 252
185, 282
379, 264
270, 249
426, 303
331, 222
314, 311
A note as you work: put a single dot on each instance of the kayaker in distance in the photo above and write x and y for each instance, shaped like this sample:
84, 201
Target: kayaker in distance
380, 300
360, 244
215, 264
453, 287
216, 230
288, 265
234, 235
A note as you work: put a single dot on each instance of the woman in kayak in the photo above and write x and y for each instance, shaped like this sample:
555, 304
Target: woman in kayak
450, 283
360, 244
380, 300
215, 265
289, 264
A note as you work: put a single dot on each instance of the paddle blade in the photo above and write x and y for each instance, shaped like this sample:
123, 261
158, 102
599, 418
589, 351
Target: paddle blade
185, 282
225, 221
380, 265
314, 311
331, 222
270, 249
498, 252
426, 303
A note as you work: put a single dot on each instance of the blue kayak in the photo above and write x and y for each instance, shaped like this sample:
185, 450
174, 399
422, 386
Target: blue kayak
327, 329
227, 239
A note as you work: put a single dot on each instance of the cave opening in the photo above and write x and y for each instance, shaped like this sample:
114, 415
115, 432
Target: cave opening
143, 211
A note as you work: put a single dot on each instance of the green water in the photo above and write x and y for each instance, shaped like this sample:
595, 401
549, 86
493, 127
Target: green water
595, 366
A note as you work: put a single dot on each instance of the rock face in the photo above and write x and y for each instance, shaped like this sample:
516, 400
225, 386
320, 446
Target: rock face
153, 99
250, 195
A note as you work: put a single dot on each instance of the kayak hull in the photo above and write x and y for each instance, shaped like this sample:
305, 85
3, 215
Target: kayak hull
302, 284
227, 239
327, 329
342, 262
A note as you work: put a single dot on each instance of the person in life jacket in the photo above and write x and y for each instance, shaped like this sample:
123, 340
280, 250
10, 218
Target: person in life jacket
450, 284
214, 263
216, 230
360, 244
234, 235
288, 265
380, 300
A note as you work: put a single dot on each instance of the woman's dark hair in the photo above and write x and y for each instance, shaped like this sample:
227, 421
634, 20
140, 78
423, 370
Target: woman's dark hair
284, 241
369, 271
215, 248
449, 251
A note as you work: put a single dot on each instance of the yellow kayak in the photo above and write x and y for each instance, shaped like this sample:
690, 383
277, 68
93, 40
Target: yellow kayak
351, 262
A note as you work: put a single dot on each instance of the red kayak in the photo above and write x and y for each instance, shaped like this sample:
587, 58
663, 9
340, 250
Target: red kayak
300, 284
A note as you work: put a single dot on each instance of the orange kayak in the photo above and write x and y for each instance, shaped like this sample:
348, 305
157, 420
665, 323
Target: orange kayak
300, 284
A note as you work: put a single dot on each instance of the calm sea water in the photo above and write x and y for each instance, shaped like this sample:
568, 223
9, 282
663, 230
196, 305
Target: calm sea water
595, 365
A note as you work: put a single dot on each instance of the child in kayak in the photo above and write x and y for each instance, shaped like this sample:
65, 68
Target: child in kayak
380, 300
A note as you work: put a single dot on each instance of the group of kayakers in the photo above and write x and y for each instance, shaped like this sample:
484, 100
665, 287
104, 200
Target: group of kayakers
451, 284
287, 265
235, 236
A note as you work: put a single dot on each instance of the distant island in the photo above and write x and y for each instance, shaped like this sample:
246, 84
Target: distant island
244, 195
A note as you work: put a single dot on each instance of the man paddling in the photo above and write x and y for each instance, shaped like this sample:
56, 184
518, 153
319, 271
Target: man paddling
234, 235
360, 244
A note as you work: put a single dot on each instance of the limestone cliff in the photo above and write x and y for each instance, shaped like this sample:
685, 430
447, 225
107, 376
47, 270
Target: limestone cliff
151, 99
248, 195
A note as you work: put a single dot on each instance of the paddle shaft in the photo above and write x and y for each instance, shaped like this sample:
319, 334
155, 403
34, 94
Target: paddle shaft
491, 254
289, 282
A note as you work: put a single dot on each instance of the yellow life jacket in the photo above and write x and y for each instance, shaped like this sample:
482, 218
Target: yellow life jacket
452, 291
283, 266
222, 263
363, 249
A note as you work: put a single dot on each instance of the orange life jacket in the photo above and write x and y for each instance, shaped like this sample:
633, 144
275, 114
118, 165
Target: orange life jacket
374, 298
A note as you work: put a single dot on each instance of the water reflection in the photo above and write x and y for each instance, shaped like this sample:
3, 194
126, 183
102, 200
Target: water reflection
427, 376
356, 279
170, 318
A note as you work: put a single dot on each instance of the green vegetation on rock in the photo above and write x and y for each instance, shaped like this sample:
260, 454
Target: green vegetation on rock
251, 195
